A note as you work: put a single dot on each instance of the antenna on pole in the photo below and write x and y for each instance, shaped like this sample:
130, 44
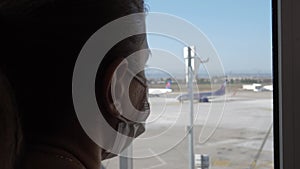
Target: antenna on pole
195, 61
192, 67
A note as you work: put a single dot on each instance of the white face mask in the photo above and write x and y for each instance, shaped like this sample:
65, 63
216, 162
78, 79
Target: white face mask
131, 121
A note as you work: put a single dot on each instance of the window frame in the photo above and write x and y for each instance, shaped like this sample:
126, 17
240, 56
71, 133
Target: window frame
286, 47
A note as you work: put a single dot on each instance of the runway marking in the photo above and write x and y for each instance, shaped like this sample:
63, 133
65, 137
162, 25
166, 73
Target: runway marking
265, 165
221, 163
162, 162
269, 165
231, 141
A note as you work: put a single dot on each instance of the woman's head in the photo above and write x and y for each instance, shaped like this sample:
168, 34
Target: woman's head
41, 42
114, 75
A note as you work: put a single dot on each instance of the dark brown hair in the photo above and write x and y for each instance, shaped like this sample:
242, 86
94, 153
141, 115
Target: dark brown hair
10, 129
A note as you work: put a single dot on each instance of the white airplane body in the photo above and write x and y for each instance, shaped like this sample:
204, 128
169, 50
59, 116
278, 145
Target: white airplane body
257, 87
160, 91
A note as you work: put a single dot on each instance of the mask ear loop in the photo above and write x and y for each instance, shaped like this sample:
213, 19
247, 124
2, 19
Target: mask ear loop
120, 143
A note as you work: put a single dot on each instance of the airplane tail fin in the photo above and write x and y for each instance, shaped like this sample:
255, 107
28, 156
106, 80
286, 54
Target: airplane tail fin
222, 89
168, 84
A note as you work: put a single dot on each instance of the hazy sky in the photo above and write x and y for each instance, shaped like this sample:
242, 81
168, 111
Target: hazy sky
240, 30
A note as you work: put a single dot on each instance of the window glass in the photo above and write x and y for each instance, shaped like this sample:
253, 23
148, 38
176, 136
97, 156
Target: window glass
231, 59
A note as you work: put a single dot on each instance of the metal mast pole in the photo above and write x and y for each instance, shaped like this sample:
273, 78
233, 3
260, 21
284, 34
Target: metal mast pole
126, 161
191, 120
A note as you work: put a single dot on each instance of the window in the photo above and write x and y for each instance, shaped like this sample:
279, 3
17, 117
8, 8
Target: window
233, 129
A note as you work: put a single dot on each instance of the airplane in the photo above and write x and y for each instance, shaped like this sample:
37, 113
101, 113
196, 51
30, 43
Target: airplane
160, 91
256, 87
267, 88
203, 96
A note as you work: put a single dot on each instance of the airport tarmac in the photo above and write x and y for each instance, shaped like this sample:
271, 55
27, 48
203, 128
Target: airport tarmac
230, 129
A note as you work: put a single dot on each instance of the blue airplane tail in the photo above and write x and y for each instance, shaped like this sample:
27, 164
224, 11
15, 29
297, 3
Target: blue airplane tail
221, 91
168, 84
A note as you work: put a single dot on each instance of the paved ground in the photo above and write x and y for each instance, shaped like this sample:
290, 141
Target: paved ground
230, 129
